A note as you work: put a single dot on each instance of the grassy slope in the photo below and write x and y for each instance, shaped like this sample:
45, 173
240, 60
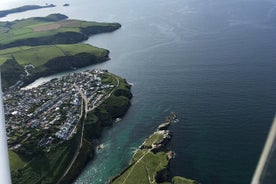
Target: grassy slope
47, 60
154, 139
181, 180
118, 103
49, 167
115, 106
22, 28
40, 55
15, 161
144, 168
51, 32
79, 48
145, 164
44, 168
14, 33
11, 72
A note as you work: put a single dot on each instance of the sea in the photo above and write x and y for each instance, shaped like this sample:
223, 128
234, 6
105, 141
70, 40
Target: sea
211, 61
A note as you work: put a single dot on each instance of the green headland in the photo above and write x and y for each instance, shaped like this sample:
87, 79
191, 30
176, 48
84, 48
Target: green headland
41, 46
52, 29
150, 163
29, 63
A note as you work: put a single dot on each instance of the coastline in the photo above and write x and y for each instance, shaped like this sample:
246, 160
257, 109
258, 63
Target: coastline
24, 49
150, 163
80, 149
70, 155
89, 149
20, 9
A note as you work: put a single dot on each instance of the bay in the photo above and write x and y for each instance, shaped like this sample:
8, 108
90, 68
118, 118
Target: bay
211, 61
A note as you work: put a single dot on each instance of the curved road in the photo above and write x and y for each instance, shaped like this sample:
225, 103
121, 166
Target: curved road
86, 110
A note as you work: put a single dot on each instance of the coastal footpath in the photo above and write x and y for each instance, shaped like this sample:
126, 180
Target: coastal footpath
150, 163
53, 129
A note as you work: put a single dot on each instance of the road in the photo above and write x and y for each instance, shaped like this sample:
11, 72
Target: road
86, 110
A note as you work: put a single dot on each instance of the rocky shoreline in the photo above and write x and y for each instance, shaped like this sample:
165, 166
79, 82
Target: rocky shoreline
93, 129
150, 163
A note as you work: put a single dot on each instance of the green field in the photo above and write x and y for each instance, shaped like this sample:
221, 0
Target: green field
15, 161
48, 43
144, 168
39, 55
73, 49
150, 165
45, 168
181, 180
46, 60
155, 138
53, 29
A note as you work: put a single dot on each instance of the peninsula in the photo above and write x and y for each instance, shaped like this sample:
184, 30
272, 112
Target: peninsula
51, 129
52, 29
41, 46
4, 13
150, 163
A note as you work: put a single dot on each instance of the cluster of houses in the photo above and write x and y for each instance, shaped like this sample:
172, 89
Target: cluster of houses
52, 110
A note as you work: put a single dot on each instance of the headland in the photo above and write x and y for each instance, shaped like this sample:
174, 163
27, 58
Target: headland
52, 128
150, 163
35, 47
4, 13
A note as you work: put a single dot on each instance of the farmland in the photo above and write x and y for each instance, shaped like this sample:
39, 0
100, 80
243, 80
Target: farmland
39, 55
41, 46
52, 29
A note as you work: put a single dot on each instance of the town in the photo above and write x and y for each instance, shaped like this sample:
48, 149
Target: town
48, 114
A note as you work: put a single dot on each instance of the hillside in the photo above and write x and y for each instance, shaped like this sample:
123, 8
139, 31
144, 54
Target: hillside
41, 46
56, 149
52, 29
150, 163
29, 63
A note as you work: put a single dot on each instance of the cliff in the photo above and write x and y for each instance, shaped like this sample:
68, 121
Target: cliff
150, 163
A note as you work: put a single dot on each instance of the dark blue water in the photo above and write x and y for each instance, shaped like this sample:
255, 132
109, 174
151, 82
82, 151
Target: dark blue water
211, 61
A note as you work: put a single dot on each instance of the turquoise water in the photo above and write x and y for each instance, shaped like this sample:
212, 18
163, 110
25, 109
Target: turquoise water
211, 61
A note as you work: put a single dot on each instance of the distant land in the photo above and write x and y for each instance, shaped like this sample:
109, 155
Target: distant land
4, 13
52, 29
47, 45
150, 163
